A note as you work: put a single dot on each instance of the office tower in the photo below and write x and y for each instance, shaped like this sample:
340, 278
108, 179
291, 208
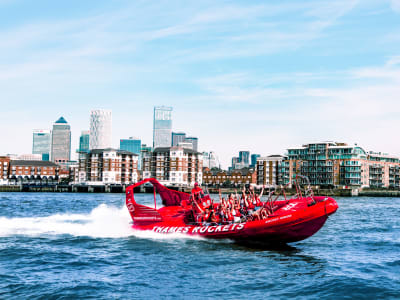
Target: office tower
235, 161
133, 145
254, 160
210, 160
178, 137
84, 141
42, 143
162, 126
194, 141
100, 129
244, 158
61, 141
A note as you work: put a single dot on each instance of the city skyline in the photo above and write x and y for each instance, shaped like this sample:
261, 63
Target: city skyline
260, 77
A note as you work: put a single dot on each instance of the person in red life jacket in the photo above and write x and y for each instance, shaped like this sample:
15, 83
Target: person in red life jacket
197, 206
197, 192
206, 215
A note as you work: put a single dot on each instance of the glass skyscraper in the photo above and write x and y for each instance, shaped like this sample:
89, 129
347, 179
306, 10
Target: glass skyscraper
254, 160
162, 126
84, 141
61, 141
178, 137
194, 141
41, 143
132, 145
244, 157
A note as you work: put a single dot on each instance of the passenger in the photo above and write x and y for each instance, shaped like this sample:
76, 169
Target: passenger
206, 215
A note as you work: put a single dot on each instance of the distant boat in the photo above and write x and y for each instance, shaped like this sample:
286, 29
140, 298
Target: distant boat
288, 220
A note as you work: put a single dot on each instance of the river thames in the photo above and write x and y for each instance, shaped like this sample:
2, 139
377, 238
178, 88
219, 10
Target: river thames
65, 245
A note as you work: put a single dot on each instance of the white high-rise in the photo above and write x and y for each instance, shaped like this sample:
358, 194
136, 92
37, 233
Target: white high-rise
100, 129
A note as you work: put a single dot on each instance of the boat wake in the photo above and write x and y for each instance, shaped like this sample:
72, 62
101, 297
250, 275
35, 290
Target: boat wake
102, 222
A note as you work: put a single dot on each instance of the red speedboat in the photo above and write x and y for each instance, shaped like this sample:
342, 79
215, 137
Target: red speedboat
288, 219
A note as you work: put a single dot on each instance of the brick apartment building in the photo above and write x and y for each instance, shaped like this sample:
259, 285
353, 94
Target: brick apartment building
173, 166
229, 178
33, 171
4, 169
107, 166
267, 169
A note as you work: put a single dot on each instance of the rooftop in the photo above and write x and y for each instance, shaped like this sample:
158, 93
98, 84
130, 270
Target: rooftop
61, 120
99, 151
35, 163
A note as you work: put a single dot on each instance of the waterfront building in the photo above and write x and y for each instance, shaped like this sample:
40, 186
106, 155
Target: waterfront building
108, 166
84, 141
33, 172
162, 127
268, 168
331, 164
4, 169
173, 166
61, 141
194, 141
100, 129
253, 160
41, 143
232, 178
178, 137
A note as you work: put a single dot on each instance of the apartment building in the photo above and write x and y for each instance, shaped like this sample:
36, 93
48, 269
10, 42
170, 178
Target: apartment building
107, 166
331, 164
173, 165
229, 178
267, 169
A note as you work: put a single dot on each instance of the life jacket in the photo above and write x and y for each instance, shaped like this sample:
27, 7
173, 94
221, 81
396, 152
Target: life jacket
206, 217
197, 193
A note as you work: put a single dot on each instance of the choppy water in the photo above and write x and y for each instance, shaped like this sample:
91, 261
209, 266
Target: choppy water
57, 246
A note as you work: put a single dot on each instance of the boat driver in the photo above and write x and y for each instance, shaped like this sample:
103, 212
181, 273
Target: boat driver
197, 192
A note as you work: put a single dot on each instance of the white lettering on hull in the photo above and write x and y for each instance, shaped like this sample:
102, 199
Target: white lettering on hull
199, 229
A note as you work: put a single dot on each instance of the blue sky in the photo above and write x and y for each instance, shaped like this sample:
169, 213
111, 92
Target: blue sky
241, 75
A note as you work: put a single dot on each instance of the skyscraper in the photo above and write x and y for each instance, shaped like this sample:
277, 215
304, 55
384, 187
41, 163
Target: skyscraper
194, 141
254, 160
61, 141
100, 129
162, 126
133, 145
84, 141
244, 158
178, 137
210, 160
235, 161
41, 143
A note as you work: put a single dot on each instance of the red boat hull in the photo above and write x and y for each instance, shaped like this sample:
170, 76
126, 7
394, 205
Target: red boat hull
294, 220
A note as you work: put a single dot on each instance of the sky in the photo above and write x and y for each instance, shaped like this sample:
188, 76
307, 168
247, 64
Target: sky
261, 76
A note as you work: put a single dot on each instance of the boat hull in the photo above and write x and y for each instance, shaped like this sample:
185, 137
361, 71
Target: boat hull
294, 224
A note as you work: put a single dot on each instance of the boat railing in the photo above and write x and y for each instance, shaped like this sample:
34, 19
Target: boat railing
297, 181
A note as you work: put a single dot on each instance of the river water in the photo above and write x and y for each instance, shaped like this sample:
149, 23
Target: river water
61, 246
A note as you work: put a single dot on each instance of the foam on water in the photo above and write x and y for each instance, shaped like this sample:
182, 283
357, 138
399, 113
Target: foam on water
102, 222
